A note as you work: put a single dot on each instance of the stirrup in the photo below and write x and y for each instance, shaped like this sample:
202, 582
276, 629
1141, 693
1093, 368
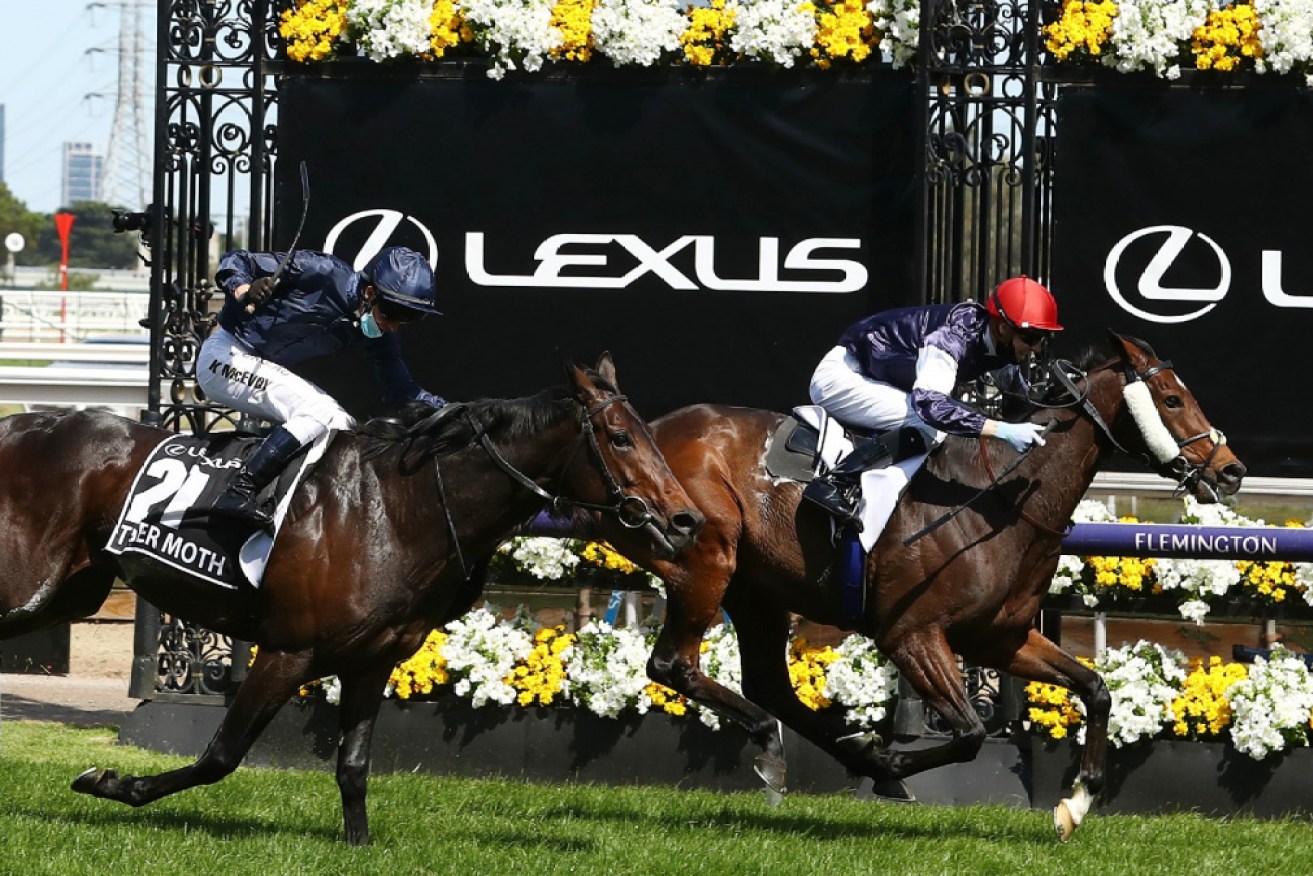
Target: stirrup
825, 494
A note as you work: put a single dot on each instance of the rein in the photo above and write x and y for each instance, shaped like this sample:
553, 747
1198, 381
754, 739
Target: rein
993, 481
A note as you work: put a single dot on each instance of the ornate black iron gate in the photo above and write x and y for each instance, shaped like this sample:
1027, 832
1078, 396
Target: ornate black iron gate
984, 212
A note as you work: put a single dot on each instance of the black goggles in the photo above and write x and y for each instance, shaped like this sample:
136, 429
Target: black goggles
1032, 337
394, 312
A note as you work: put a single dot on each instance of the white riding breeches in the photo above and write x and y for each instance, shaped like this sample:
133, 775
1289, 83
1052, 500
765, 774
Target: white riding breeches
230, 374
839, 386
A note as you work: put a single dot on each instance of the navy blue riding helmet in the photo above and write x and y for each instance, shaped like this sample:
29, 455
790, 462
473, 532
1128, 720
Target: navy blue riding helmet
403, 277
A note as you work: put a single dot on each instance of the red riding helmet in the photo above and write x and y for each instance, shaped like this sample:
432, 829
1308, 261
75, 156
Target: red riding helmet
1025, 304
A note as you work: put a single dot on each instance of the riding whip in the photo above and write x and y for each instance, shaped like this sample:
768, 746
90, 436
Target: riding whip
296, 238
1048, 427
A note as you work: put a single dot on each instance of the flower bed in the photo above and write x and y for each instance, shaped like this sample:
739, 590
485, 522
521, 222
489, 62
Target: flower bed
488, 659
1161, 36
1259, 710
1167, 36
527, 34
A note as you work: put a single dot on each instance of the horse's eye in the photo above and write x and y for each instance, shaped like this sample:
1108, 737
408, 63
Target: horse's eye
622, 440
1173, 401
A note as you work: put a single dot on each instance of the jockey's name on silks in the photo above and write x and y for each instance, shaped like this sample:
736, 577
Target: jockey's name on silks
239, 375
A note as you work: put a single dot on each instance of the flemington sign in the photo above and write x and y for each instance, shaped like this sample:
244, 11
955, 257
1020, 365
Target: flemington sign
1184, 541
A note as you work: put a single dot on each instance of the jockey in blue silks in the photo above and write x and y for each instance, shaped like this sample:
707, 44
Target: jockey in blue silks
319, 306
895, 371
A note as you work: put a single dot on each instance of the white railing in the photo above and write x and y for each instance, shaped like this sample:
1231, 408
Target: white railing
113, 375
40, 315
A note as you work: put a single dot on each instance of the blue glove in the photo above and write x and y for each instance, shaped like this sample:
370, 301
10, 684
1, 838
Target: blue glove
1022, 436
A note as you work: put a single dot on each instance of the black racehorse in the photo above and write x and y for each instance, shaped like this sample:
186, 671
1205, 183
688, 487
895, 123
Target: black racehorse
371, 556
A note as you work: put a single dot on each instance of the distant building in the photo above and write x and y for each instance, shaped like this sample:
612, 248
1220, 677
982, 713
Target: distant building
83, 174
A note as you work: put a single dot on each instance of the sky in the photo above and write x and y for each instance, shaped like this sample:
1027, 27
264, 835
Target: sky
53, 54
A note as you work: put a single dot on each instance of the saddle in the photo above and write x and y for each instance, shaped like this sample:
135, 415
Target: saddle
796, 450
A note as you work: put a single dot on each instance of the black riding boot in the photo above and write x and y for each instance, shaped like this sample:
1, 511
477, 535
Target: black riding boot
240, 501
838, 490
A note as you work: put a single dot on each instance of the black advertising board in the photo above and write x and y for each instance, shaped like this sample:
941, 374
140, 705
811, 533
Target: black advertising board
1181, 218
715, 234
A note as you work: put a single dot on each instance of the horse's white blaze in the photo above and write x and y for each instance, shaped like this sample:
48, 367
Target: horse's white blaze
1160, 441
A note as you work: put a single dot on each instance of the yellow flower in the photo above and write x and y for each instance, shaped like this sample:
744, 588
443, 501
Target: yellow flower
1202, 709
447, 28
706, 41
1082, 29
574, 19
807, 672
599, 553
312, 28
423, 671
845, 29
1052, 709
540, 677
1227, 38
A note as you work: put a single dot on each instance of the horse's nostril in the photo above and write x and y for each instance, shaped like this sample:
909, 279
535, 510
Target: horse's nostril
1234, 472
688, 521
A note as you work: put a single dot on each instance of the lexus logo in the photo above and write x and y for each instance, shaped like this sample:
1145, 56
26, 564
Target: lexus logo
1175, 238
388, 221
1150, 285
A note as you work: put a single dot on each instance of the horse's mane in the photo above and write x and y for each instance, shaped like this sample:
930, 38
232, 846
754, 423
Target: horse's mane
417, 432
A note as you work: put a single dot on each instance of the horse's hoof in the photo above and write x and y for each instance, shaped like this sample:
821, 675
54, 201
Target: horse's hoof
1063, 823
773, 771
892, 791
88, 781
773, 798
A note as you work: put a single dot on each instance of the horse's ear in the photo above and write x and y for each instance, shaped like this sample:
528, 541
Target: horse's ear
1135, 355
580, 381
606, 369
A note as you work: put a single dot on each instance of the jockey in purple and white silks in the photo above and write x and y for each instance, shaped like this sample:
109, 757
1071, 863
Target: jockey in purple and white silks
317, 307
895, 371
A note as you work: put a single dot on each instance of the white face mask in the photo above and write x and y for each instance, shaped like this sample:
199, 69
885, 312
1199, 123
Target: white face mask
369, 326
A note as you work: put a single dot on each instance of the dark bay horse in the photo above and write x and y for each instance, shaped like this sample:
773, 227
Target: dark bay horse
972, 587
370, 558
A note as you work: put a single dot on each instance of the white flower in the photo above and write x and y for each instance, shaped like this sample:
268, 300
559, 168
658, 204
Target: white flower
1286, 34
1204, 579
1214, 514
862, 680
386, 29
481, 651
552, 559
607, 669
637, 31
721, 663
513, 31
1271, 708
899, 24
1143, 679
1148, 34
1071, 567
1195, 610
772, 30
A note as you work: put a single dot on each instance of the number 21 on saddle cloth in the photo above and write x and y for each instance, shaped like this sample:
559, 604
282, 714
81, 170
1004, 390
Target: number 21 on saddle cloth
185, 472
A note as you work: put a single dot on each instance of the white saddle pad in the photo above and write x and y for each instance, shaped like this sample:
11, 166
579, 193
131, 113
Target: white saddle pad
881, 487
